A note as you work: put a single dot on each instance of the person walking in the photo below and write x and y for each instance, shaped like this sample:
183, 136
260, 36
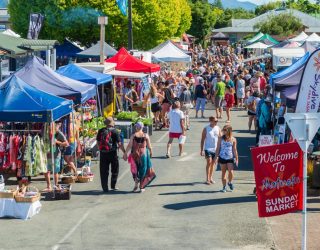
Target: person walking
252, 103
240, 87
140, 158
186, 104
155, 105
176, 128
229, 98
166, 103
219, 96
208, 146
227, 156
109, 141
200, 96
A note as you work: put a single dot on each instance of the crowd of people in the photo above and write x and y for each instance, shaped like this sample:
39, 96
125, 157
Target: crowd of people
218, 75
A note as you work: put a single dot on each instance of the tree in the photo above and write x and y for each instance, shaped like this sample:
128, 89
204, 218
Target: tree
267, 7
154, 21
218, 4
283, 24
204, 17
224, 19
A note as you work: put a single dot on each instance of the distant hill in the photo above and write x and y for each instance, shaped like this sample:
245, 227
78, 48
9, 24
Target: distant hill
233, 4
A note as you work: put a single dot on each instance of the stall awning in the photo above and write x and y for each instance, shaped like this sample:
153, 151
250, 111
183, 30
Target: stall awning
127, 74
84, 75
40, 76
20, 102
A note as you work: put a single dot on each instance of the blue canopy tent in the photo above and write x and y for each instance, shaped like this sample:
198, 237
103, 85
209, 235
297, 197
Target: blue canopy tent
40, 76
288, 80
84, 75
19, 102
67, 49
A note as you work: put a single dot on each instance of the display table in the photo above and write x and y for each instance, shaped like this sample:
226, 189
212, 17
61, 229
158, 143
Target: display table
19, 210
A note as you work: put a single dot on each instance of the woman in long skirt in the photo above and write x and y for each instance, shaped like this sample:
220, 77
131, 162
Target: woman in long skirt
140, 158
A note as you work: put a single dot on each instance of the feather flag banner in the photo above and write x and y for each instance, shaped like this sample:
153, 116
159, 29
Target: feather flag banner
123, 6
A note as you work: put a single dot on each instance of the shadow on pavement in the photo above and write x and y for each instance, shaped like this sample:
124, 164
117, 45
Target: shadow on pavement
191, 192
211, 202
159, 157
314, 210
100, 192
176, 184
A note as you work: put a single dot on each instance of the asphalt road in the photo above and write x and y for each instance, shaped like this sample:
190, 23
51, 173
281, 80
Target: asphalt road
177, 211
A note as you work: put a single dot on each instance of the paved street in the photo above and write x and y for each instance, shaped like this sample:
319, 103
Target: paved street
177, 211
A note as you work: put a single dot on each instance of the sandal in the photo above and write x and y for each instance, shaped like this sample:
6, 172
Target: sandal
168, 156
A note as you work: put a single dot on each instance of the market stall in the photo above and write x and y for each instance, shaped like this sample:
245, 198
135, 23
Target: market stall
173, 56
94, 51
22, 103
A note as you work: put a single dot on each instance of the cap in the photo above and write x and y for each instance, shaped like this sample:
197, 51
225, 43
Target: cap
109, 121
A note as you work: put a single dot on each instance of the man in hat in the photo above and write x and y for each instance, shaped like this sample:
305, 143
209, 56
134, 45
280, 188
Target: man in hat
109, 141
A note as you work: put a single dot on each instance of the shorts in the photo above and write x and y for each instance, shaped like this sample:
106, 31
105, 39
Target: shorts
218, 101
224, 161
155, 107
209, 154
174, 135
70, 150
57, 164
251, 113
166, 107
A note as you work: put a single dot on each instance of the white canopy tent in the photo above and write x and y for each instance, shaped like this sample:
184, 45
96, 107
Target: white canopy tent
258, 45
10, 32
169, 52
300, 38
313, 38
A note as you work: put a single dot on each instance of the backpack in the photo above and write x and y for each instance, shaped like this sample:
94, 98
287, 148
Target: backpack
106, 140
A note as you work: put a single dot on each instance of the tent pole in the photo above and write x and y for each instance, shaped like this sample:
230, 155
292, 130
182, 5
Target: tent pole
84, 144
52, 155
98, 102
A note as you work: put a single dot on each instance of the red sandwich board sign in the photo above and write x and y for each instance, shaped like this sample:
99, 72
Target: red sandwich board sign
279, 178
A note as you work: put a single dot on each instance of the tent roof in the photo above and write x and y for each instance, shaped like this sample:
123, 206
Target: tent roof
20, 102
313, 38
40, 76
255, 38
291, 75
127, 62
220, 35
300, 38
94, 51
84, 75
10, 32
68, 49
257, 45
169, 52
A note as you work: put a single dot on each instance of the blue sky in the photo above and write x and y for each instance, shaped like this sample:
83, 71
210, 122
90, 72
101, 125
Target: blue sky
262, 1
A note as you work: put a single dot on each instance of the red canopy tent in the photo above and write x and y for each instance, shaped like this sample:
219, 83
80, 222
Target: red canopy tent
127, 62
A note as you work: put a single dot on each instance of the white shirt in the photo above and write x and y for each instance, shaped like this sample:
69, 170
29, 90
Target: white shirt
212, 135
175, 116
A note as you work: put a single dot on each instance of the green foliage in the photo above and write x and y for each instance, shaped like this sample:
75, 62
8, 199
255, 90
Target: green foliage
283, 24
225, 19
154, 21
267, 7
204, 17
217, 4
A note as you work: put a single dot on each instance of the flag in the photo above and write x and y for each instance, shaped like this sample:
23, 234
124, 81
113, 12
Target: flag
35, 25
279, 178
308, 98
123, 6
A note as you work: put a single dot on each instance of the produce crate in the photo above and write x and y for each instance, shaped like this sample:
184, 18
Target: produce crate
148, 129
64, 193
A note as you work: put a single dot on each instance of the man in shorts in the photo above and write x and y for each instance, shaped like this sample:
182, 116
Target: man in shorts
176, 128
60, 143
219, 96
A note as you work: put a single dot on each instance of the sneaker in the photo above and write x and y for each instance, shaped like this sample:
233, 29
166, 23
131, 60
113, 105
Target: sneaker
135, 189
224, 189
230, 186
115, 188
142, 190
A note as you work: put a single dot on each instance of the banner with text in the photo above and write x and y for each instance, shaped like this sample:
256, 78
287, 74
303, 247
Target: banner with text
35, 25
308, 98
279, 178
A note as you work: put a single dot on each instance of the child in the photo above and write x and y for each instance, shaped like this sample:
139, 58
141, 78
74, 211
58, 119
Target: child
229, 98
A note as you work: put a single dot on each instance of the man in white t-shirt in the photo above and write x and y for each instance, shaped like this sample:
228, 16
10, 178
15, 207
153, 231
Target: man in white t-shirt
177, 128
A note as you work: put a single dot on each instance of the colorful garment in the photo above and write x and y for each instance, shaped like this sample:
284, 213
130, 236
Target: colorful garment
140, 161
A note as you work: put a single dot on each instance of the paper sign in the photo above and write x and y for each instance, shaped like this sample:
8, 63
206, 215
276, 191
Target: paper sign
266, 140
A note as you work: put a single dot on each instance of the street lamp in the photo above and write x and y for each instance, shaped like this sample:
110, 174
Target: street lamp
103, 21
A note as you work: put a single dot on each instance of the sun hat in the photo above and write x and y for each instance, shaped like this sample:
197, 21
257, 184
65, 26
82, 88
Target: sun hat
109, 121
